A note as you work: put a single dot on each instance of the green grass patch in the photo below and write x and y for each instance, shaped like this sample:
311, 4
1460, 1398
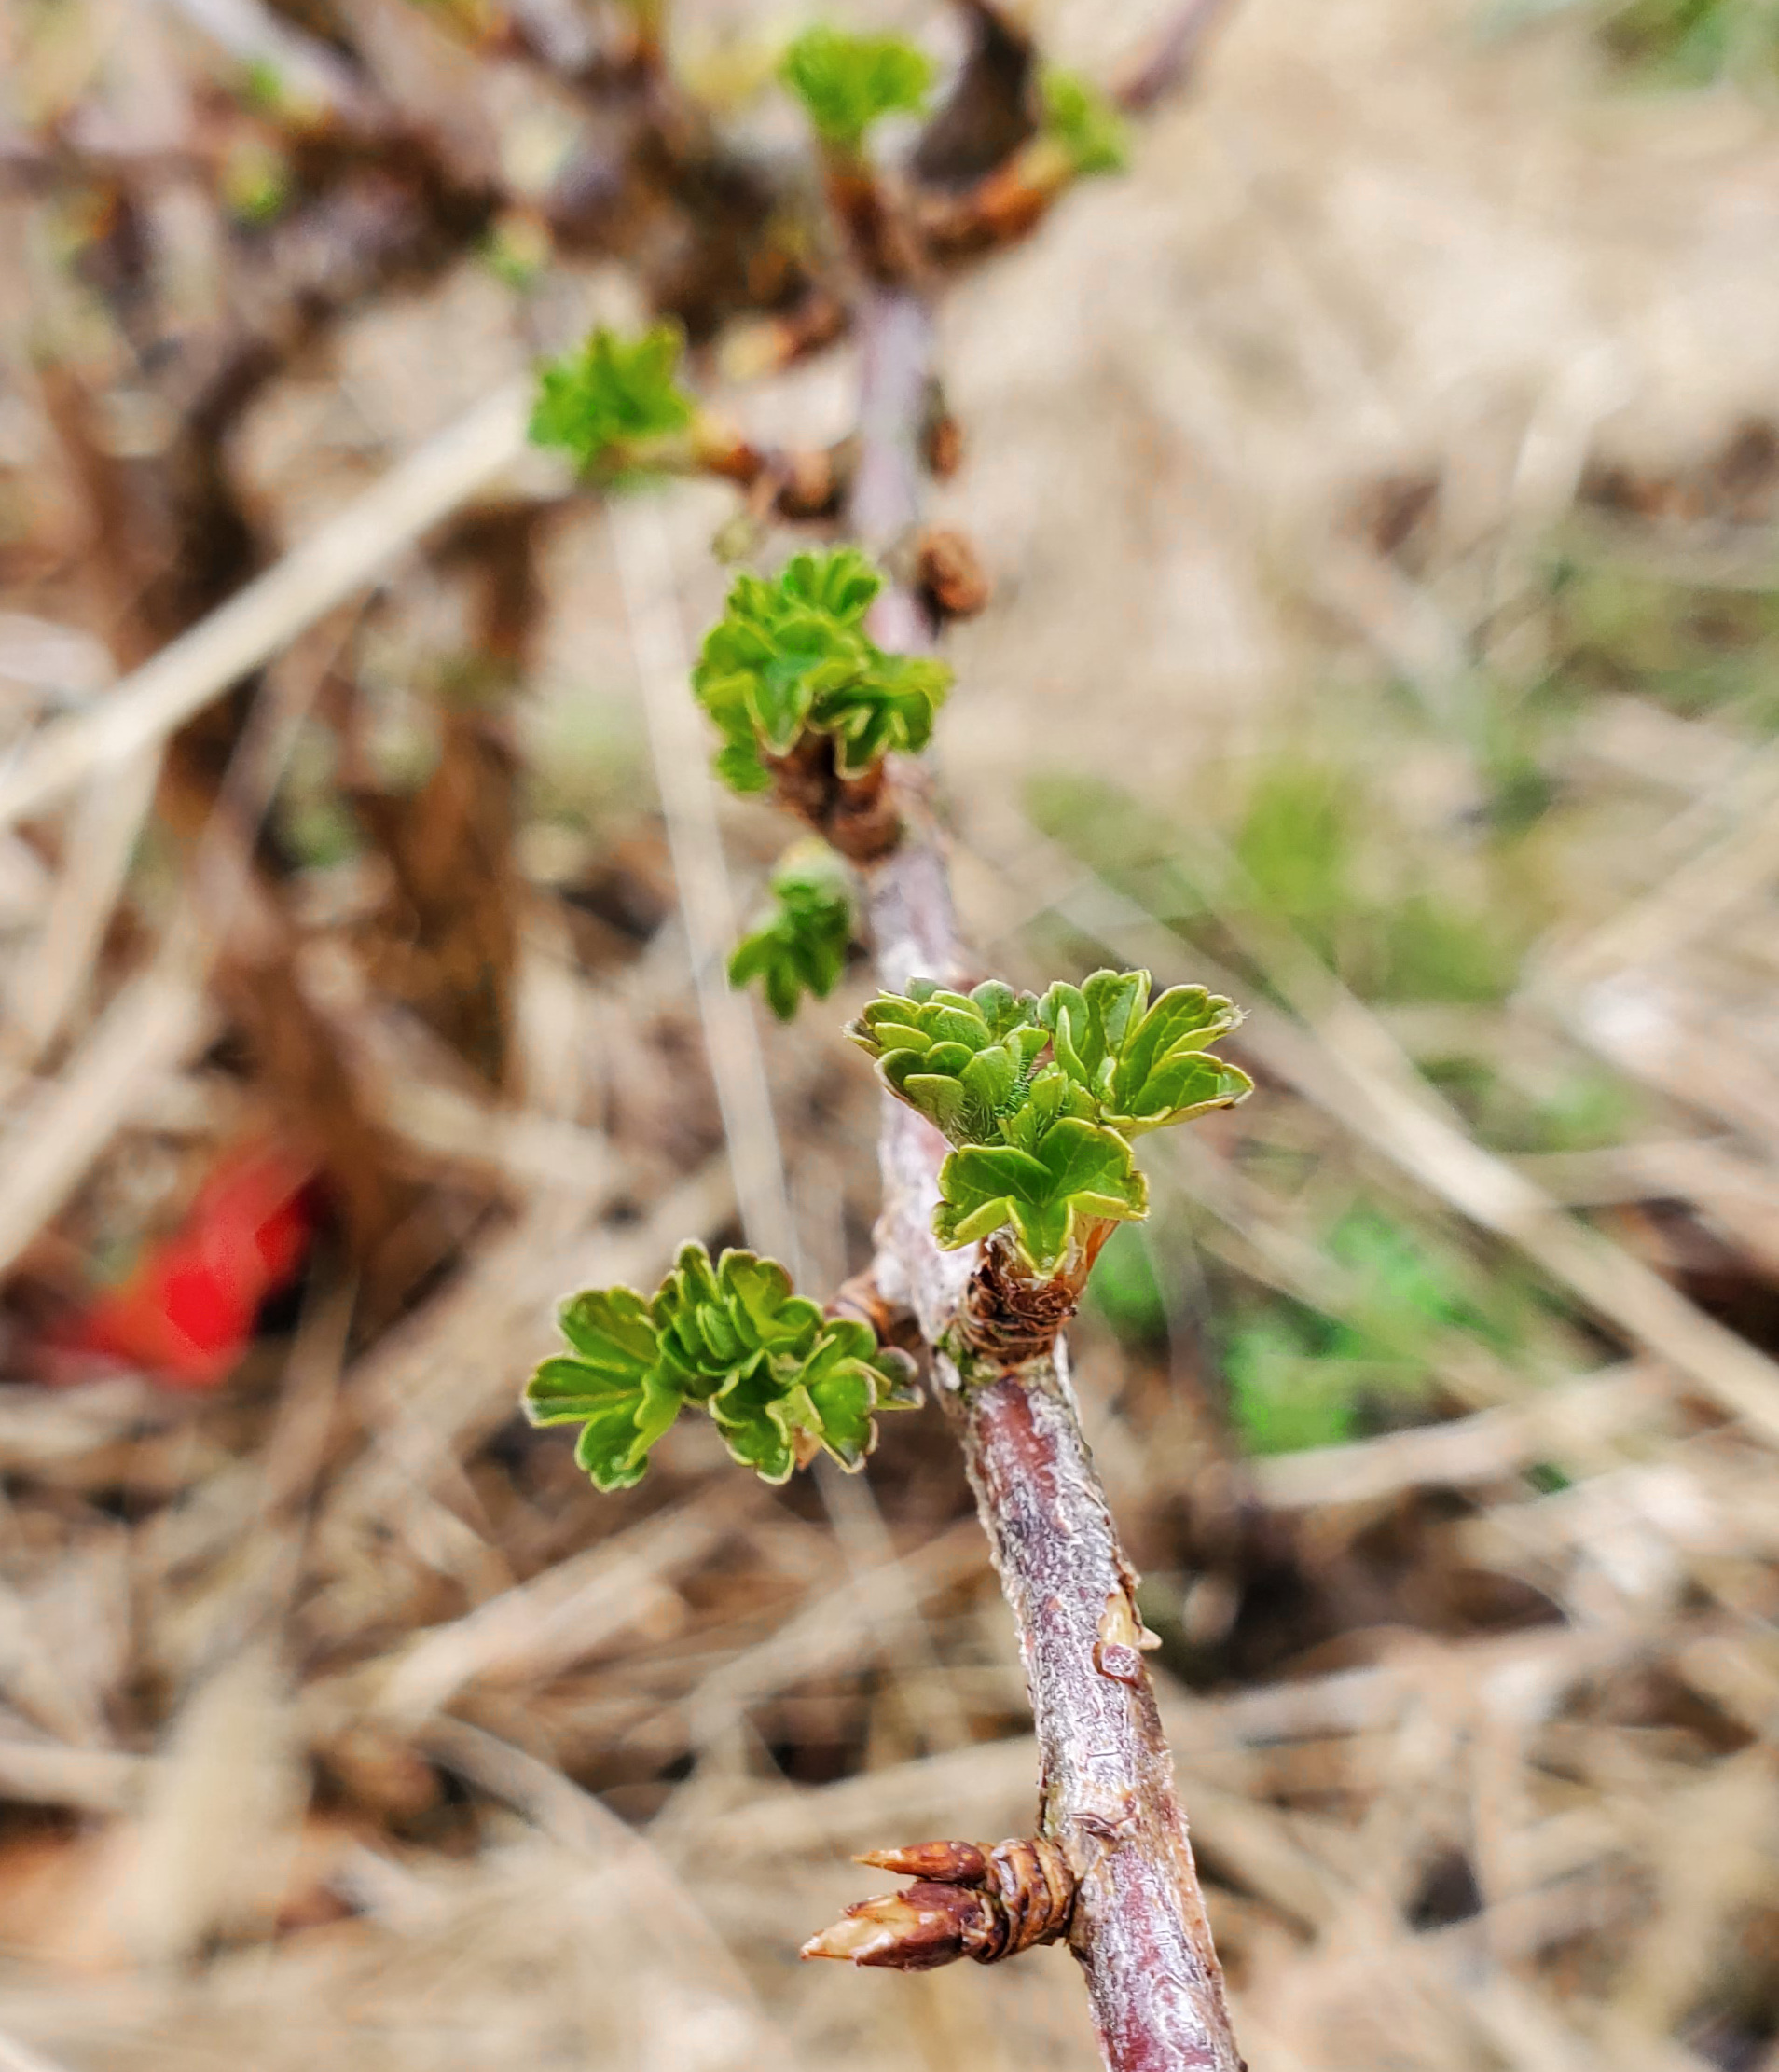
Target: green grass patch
1699, 648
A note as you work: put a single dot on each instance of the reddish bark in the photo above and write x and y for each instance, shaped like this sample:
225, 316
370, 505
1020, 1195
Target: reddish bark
1107, 1797
1106, 1784
1107, 1800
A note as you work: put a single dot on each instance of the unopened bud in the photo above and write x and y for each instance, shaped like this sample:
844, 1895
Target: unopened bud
916, 1930
948, 575
945, 1862
968, 1901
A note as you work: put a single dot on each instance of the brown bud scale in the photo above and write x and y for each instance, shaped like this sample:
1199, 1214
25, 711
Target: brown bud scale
940, 1862
1008, 1316
948, 575
856, 815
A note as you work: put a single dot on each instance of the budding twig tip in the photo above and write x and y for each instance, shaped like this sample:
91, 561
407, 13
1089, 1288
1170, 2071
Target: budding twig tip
966, 1901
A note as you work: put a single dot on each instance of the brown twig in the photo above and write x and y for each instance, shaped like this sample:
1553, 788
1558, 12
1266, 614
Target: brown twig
1169, 60
1111, 1827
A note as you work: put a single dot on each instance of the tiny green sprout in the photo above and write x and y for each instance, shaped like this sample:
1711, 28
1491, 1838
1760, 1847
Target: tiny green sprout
255, 181
781, 1382
790, 655
517, 248
263, 88
846, 83
615, 405
799, 946
1078, 117
294, 100
1041, 1143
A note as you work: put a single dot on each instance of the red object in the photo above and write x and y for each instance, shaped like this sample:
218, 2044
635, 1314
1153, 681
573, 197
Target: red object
185, 1314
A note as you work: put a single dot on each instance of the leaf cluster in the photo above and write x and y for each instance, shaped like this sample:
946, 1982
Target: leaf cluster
1078, 117
790, 655
799, 946
1042, 1142
780, 1380
1693, 42
613, 403
846, 83
1146, 1066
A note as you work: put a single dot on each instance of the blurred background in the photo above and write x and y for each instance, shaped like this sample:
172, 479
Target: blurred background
1378, 486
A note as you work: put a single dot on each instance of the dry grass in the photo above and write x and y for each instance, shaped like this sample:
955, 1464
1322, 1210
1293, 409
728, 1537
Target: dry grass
338, 1717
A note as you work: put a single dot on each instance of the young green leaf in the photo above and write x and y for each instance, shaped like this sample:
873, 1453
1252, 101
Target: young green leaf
831, 1405
847, 1377
615, 405
887, 709
609, 1383
846, 83
715, 1322
790, 655
780, 1380
799, 946
1086, 125
1042, 1142
1074, 1169
781, 640
961, 1059
1145, 1066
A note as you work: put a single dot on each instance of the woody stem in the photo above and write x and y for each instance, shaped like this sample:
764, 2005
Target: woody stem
1107, 1795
